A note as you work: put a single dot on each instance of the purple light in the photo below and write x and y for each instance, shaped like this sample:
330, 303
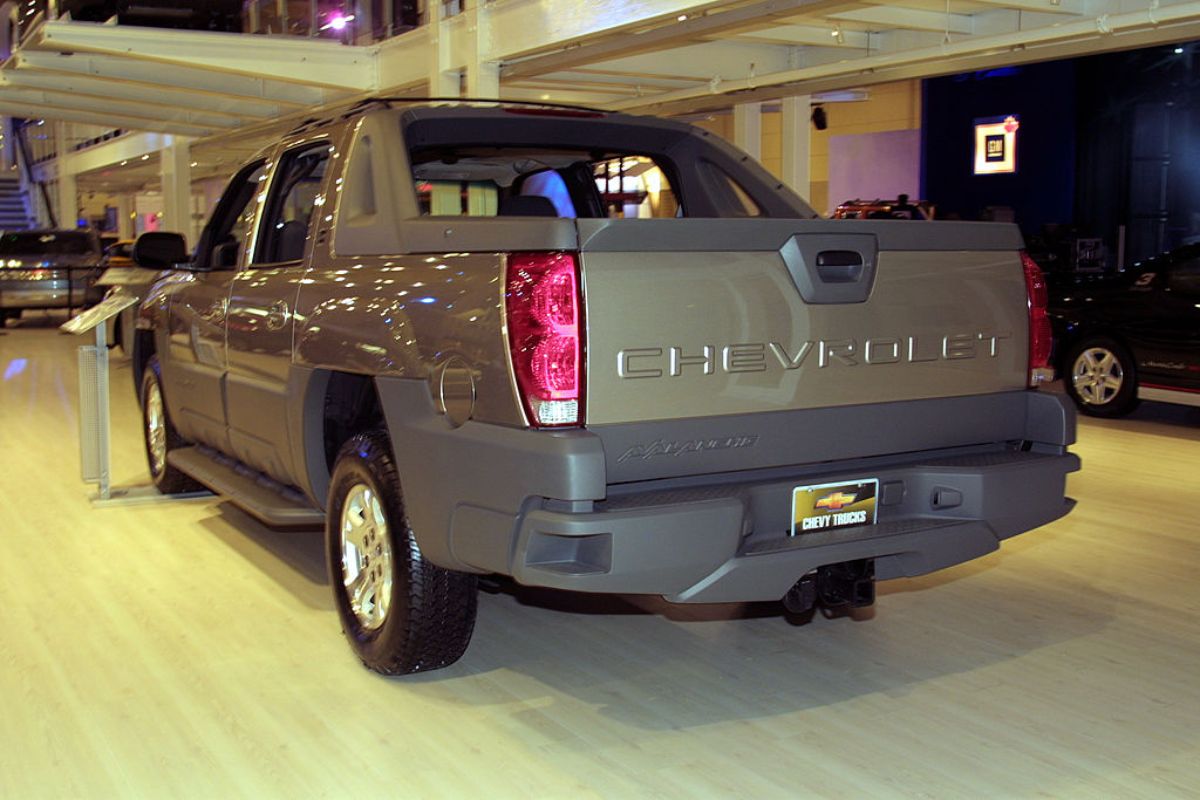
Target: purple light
338, 21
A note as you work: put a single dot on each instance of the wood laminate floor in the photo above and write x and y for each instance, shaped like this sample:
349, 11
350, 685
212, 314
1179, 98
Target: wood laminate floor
181, 650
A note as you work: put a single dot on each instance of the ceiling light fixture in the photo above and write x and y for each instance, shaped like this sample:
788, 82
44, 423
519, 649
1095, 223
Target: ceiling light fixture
337, 22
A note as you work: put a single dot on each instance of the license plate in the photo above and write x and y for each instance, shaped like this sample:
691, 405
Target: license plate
831, 506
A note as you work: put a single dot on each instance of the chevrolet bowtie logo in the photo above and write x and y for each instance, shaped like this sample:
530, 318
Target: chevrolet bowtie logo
835, 501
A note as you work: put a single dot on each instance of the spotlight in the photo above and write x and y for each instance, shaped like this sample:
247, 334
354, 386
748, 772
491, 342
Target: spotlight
819, 120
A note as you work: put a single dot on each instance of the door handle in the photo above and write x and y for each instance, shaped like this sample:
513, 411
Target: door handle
277, 315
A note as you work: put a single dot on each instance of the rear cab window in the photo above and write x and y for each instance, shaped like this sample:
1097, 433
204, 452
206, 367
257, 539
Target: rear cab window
488, 181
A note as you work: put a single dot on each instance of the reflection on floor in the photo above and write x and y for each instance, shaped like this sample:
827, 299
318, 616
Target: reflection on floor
182, 650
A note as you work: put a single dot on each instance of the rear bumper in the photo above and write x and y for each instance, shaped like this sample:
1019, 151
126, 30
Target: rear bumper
52, 293
540, 506
727, 544
35, 294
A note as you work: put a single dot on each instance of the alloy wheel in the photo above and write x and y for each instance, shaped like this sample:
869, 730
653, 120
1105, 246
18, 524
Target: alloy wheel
156, 428
1097, 376
366, 556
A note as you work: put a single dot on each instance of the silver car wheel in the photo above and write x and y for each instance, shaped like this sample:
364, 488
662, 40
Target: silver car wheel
366, 556
1097, 376
156, 428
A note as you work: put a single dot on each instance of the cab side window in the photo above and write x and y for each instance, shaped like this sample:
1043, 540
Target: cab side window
292, 204
233, 219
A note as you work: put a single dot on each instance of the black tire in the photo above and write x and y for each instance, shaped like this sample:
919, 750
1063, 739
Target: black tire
1100, 376
166, 478
428, 613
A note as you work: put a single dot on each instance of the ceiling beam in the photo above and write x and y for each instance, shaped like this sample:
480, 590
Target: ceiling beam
312, 62
161, 77
883, 17
29, 111
102, 105
671, 34
1176, 23
808, 35
1071, 7
130, 147
99, 87
622, 88
702, 61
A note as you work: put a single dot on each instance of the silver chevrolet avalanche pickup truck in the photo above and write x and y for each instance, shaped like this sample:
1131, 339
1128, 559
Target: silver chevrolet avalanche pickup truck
593, 352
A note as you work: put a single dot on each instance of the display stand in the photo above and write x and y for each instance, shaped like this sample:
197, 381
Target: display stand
94, 414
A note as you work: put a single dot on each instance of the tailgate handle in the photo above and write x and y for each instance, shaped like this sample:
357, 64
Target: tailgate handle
839, 266
831, 267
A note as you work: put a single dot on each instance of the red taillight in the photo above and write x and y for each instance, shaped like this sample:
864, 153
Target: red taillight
545, 335
1041, 338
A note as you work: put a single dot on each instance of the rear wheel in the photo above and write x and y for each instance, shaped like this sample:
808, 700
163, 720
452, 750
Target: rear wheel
400, 612
1102, 379
160, 435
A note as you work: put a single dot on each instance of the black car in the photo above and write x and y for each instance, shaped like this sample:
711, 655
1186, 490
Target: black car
1136, 336
48, 269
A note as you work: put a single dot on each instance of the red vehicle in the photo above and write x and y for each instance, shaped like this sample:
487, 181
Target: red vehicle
900, 208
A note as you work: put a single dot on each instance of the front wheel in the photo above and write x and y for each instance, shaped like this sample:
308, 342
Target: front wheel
160, 435
400, 612
1102, 379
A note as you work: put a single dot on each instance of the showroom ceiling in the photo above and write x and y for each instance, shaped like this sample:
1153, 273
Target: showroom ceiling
655, 56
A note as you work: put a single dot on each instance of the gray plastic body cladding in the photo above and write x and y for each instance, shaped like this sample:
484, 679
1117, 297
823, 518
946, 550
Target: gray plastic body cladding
678, 448
477, 478
539, 505
672, 550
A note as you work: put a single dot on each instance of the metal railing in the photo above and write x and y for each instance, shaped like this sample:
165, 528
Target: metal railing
28, 177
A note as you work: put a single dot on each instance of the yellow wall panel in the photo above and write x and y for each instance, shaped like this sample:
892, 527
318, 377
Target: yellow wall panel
889, 107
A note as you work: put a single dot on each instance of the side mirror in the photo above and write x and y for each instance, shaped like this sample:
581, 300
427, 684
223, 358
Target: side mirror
158, 250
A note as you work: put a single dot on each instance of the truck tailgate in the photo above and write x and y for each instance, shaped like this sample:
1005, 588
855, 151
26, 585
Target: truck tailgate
694, 318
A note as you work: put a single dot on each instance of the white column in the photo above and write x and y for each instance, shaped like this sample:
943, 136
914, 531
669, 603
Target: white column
176, 171
444, 81
747, 128
125, 216
66, 198
483, 80
797, 143
483, 77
